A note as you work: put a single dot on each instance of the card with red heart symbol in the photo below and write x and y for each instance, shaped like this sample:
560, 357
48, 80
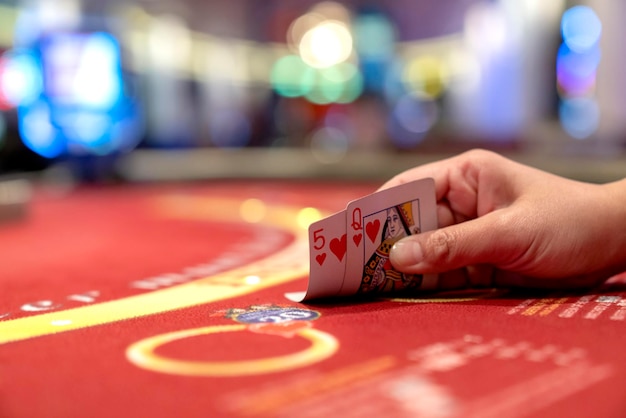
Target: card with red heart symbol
327, 252
374, 224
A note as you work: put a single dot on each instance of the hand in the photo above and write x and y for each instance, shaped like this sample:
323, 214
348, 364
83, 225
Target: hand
505, 224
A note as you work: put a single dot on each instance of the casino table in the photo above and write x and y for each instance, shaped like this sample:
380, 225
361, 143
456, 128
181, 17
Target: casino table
167, 299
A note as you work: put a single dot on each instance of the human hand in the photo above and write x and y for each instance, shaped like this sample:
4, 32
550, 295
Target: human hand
505, 224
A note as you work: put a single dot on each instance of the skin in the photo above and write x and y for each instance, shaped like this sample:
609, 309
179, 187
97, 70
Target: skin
502, 223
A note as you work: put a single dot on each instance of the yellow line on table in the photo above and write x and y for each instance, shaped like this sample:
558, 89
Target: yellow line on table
288, 264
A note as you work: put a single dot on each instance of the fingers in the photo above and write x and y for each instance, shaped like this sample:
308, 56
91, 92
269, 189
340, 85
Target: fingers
483, 240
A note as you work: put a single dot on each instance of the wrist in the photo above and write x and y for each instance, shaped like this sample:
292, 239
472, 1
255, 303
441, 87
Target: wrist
616, 217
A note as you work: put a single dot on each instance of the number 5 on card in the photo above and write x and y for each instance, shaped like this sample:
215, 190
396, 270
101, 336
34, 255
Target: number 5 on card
327, 252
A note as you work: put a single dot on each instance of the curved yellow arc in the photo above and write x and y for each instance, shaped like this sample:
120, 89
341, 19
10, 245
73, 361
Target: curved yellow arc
142, 354
288, 264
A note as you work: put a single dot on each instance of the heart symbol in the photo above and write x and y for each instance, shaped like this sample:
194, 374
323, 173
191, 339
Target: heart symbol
320, 258
372, 229
357, 239
285, 329
338, 247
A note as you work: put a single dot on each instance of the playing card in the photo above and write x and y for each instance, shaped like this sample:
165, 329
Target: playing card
327, 249
374, 224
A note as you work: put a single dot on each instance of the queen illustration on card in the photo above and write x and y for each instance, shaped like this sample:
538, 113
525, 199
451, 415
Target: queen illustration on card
378, 273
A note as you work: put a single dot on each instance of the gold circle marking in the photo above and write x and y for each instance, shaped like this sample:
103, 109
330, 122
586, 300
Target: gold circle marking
142, 354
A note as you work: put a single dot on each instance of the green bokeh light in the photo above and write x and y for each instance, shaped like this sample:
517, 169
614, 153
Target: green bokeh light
292, 77
341, 83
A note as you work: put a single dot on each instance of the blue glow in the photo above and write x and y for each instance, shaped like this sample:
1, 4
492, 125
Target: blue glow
579, 117
37, 132
393, 86
82, 70
415, 115
581, 28
582, 64
410, 120
85, 130
374, 36
576, 72
21, 81
82, 108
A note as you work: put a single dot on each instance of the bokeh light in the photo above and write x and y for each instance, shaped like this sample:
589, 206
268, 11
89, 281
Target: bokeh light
576, 72
4, 101
88, 130
463, 70
292, 77
70, 96
306, 216
299, 27
374, 37
579, 117
416, 116
326, 44
169, 42
253, 210
83, 71
59, 14
426, 76
577, 64
21, 80
393, 86
340, 83
331, 74
252, 280
37, 131
322, 36
581, 28
411, 119
329, 145
486, 28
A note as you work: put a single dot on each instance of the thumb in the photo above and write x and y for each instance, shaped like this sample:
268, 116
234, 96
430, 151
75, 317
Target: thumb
485, 240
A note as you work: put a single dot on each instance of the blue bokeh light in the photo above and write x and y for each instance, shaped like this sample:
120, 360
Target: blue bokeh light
410, 120
82, 102
576, 72
581, 28
37, 132
577, 64
579, 117
21, 81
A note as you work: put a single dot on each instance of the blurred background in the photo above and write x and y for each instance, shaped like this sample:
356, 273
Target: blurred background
183, 89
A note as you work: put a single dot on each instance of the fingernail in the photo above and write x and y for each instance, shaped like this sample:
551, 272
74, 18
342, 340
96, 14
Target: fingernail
406, 252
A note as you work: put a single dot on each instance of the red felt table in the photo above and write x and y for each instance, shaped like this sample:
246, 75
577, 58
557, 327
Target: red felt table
168, 300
